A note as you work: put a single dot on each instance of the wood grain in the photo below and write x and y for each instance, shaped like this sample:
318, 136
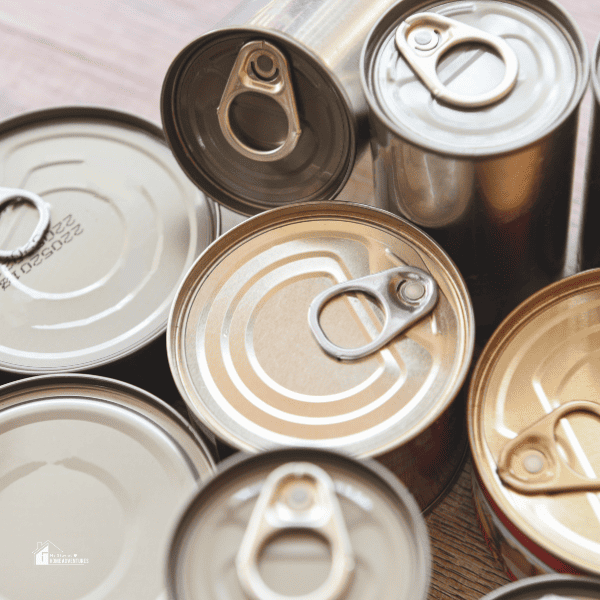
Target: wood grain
115, 53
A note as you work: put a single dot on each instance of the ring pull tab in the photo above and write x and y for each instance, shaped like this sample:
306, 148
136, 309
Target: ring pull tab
531, 464
12, 195
261, 68
406, 294
424, 38
297, 495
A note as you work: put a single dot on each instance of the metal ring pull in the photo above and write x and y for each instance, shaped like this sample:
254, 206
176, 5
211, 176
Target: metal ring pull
406, 294
297, 495
531, 464
261, 68
11, 195
424, 38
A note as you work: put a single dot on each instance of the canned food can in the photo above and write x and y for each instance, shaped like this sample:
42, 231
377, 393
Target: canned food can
125, 224
548, 587
328, 325
589, 250
473, 109
533, 420
300, 523
93, 476
268, 110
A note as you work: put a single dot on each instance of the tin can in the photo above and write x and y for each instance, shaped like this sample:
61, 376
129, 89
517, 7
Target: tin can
473, 110
328, 325
300, 522
533, 428
267, 110
589, 251
125, 224
548, 587
93, 475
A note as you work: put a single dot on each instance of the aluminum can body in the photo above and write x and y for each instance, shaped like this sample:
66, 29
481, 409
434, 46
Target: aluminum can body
533, 429
490, 183
230, 538
251, 332
241, 157
548, 586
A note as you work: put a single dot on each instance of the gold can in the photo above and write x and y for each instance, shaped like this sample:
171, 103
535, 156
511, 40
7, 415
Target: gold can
332, 326
533, 420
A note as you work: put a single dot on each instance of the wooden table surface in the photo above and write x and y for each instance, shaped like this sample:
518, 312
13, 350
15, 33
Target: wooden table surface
115, 53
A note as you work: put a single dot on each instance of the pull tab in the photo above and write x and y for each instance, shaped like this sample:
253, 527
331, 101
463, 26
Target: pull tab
406, 294
424, 38
297, 495
261, 68
531, 464
11, 195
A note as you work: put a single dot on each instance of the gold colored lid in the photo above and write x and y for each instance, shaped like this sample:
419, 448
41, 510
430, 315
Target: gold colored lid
249, 366
534, 422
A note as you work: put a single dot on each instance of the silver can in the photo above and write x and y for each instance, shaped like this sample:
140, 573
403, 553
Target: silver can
93, 475
473, 109
299, 523
123, 225
268, 110
329, 325
549, 587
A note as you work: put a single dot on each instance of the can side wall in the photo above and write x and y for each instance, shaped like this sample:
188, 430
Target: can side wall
502, 219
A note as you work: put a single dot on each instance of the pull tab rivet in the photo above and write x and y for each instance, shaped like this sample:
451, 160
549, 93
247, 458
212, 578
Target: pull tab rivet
412, 291
299, 498
425, 39
264, 66
533, 462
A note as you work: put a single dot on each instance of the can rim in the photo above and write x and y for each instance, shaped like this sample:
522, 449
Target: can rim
200, 177
111, 116
576, 39
542, 583
532, 306
31, 384
313, 211
229, 465
595, 78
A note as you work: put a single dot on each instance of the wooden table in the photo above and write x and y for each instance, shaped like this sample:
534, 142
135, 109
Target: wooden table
115, 53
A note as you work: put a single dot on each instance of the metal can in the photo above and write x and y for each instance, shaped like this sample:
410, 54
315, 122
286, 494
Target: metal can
93, 476
267, 110
589, 250
125, 224
548, 587
473, 109
533, 428
328, 325
303, 523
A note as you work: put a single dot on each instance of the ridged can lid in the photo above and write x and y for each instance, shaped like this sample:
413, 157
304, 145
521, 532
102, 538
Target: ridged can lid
549, 587
93, 476
534, 423
300, 523
253, 364
529, 57
125, 226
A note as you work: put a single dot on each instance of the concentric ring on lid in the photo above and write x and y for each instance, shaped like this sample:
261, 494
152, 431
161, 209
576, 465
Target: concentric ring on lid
246, 361
126, 224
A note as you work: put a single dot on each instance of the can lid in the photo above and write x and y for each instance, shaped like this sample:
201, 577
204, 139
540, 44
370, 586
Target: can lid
251, 143
93, 476
250, 365
290, 518
549, 587
126, 224
534, 425
430, 71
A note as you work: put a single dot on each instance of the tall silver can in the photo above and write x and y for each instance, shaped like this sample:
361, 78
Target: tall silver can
589, 250
474, 109
268, 109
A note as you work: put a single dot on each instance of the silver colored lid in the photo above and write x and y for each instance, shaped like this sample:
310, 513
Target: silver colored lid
386, 534
249, 366
553, 66
93, 475
549, 587
126, 224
